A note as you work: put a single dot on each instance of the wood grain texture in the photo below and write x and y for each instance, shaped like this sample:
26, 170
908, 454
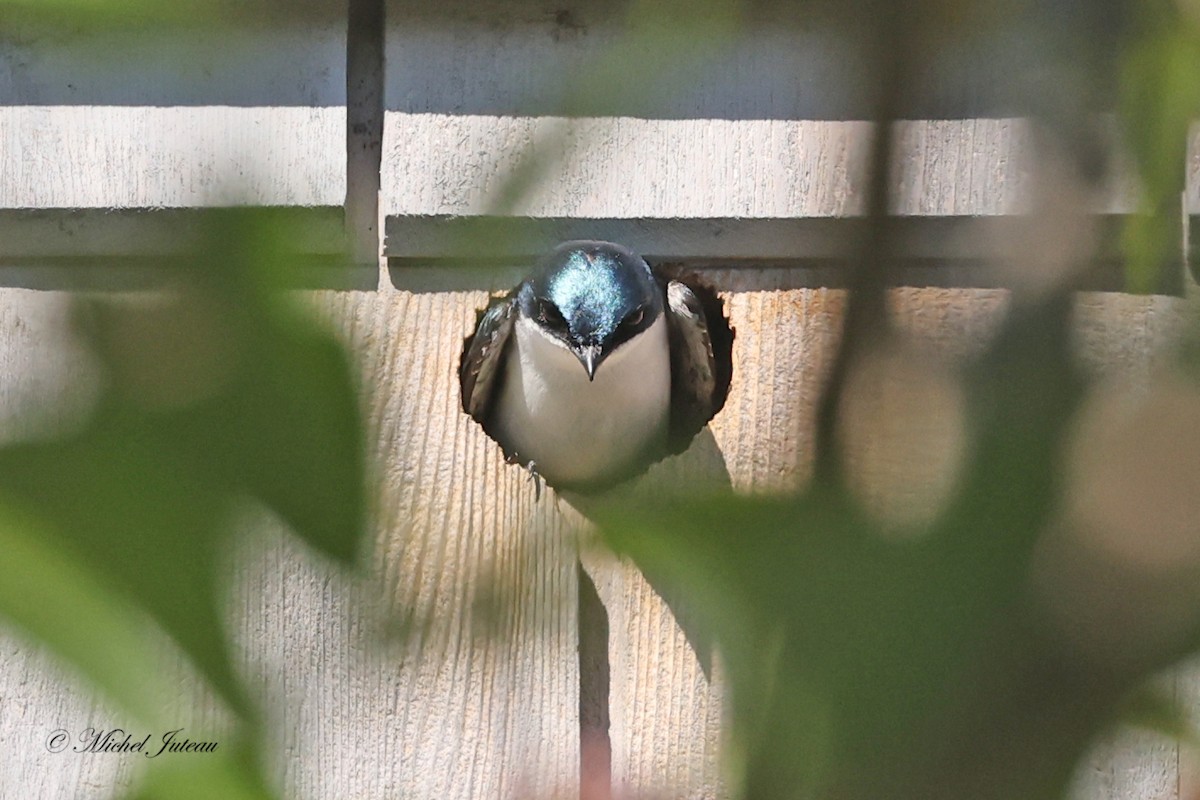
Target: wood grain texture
481, 697
921, 239
38, 365
180, 118
665, 718
37, 697
481, 700
461, 164
1129, 765
48, 380
185, 117
1187, 694
144, 157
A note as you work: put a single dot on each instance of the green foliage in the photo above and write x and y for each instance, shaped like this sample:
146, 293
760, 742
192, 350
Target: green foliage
860, 664
149, 16
55, 597
1160, 98
218, 391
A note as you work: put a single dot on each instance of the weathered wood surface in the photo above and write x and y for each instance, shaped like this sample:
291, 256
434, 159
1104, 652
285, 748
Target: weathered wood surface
485, 705
289, 60
629, 167
188, 118
181, 157
38, 364
482, 698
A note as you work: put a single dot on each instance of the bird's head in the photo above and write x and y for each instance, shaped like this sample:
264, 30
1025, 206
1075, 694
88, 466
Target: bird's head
592, 297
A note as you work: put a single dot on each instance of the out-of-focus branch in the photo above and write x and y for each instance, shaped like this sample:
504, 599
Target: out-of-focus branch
889, 28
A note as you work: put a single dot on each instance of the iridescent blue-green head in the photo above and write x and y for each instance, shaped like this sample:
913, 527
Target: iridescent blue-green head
593, 297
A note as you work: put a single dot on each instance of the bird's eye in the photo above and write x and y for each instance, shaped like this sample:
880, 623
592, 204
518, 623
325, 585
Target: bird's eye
634, 319
549, 315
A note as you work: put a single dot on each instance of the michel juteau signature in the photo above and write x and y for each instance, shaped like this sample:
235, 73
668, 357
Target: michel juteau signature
118, 740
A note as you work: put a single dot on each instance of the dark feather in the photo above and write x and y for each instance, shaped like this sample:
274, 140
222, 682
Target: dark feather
481, 358
696, 393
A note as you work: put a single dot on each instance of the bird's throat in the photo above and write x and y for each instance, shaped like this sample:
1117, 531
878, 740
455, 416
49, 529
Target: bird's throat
578, 430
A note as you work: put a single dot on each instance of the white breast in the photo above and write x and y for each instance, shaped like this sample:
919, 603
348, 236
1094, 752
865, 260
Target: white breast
574, 429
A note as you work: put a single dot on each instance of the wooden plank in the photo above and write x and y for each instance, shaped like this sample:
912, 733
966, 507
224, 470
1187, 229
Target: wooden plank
178, 157
964, 251
285, 58
512, 57
128, 249
903, 458
478, 700
37, 694
33, 234
482, 701
624, 167
47, 381
1192, 190
41, 697
1129, 765
918, 238
665, 716
364, 126
168, 118
754, 191
1191, 204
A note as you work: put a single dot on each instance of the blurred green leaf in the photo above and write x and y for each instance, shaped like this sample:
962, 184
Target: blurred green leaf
1155, 709
860, 663
1160, 97
55, 596
229, 773
219, 391
152, 15
129, 504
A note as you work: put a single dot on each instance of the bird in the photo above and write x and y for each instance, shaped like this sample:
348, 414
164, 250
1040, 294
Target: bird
595, 366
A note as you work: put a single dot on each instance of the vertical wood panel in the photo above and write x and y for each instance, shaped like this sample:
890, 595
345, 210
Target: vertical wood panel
479, 700
37, 695
482, 698
364, 125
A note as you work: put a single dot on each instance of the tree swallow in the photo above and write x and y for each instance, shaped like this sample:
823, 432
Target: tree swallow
594, 366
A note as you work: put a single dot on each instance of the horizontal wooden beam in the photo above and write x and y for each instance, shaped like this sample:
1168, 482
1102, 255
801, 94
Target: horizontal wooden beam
124, 248
929, 250
129, 249
99, 233
97, 156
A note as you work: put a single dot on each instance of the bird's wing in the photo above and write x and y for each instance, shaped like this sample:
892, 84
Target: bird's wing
693, 363
481, 358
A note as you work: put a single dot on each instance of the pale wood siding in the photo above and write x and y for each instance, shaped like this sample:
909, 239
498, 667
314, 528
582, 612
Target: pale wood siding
473, 704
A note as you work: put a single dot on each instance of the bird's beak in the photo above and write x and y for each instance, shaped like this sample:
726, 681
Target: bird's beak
589, 355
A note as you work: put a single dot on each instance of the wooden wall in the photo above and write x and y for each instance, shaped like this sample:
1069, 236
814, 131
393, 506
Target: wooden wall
475, 703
